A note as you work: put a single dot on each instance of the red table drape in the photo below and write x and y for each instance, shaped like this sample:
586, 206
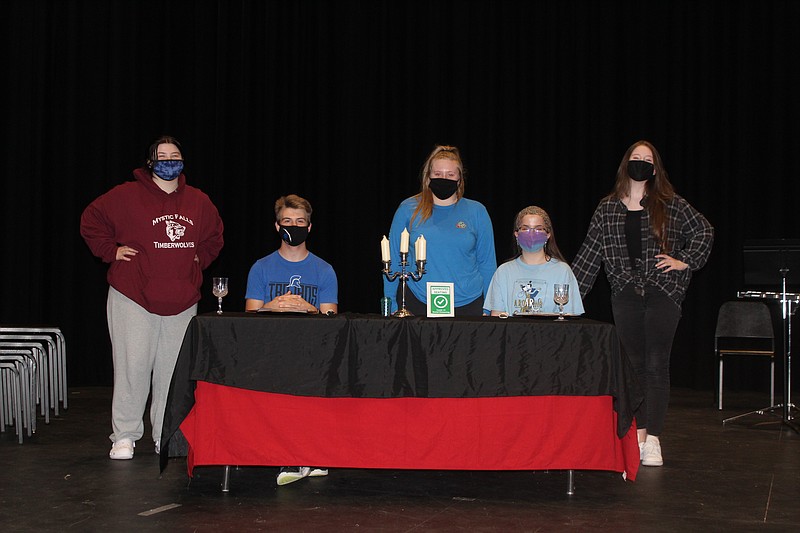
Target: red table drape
232, 426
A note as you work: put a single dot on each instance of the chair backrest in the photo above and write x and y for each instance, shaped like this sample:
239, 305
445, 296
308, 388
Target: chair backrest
744, 319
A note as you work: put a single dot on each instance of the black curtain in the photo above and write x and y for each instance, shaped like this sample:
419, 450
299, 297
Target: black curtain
341, 101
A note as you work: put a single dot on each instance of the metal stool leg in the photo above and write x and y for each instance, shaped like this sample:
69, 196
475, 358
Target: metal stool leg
226, 479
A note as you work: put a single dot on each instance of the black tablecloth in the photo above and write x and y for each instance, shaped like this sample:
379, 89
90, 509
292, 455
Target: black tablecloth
368, 356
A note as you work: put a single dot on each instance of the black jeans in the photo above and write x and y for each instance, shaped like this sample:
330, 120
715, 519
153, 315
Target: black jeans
646, 324
418, 308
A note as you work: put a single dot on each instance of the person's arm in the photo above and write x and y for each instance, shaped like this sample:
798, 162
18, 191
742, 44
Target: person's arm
211, 240
284, 302
325, 308
575, 305
256, 287
484, 249
586, 264
329, 292
98, 232
251, 304
495, 300
698, 235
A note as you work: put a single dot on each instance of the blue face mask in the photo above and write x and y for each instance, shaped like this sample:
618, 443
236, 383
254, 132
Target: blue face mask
532, 241
168, 170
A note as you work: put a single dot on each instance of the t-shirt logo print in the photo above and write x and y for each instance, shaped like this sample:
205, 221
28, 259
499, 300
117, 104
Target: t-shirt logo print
528, 298
294, 283
175, 231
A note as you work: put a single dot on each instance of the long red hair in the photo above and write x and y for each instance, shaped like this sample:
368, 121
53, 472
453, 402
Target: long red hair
424, 208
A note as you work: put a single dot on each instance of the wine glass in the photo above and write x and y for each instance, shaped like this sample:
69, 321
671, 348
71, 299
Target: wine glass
561, 297
220, 290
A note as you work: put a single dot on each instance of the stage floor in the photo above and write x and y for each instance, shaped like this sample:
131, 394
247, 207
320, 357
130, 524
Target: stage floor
741, 477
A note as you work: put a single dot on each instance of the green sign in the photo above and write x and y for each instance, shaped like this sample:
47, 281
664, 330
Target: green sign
440, 299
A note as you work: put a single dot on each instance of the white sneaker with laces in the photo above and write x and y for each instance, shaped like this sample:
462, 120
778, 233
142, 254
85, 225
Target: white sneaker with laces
290, 474
122, 449
318, 472
651, 452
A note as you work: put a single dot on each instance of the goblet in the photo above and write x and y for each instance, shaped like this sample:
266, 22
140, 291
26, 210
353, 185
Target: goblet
561, 297
220, 290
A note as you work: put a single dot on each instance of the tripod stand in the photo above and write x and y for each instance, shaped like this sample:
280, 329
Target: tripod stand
765, 257
788, 308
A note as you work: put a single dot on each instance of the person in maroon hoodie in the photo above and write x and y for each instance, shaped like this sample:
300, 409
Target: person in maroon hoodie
158, 234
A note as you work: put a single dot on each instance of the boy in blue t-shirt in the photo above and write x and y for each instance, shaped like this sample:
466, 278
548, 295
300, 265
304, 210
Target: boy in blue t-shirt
292, 278
295, 280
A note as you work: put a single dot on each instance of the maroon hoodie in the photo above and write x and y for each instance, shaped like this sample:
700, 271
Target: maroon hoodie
168, 230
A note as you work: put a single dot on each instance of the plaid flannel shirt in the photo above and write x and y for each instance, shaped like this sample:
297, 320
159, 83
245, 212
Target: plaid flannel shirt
689, 235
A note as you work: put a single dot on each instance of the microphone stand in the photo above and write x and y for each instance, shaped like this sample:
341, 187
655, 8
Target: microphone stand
788, 309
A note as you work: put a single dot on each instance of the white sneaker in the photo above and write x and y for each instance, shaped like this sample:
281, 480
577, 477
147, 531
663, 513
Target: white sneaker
651, 452
641, 451
318, 472
122, 449
290, 474
158, 447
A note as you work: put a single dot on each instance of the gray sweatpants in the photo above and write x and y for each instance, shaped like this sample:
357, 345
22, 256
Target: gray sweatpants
143, 344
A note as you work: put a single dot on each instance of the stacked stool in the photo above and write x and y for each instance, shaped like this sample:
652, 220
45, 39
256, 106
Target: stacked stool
32, 371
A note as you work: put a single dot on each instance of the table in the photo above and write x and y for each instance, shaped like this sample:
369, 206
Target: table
363, 391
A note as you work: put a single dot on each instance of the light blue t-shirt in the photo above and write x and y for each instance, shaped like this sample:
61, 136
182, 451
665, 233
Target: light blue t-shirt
460, 249
312, 278
517, 287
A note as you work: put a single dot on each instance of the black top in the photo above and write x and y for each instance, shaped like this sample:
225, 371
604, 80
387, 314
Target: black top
633, 237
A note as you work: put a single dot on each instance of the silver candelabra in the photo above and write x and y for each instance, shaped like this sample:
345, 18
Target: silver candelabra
403, 274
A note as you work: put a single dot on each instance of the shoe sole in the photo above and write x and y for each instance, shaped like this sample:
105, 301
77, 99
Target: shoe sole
284, 478
652, 463
120, 457
317, 472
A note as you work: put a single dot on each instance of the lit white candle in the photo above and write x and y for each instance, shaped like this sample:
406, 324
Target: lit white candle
404, 241
421, 248
385, 257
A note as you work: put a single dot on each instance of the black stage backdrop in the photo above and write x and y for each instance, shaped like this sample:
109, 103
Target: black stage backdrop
341, 101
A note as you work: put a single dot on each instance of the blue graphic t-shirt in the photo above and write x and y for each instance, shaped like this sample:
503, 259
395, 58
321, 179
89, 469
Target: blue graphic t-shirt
312, 278
517, 287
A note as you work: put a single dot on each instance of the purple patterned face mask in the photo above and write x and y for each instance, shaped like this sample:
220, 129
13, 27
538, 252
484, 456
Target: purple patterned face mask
532, 240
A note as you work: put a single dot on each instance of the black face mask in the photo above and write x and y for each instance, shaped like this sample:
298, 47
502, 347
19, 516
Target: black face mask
294, 235
443, 188
640, 170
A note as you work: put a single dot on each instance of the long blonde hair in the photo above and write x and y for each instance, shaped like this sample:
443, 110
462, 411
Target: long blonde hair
424, 208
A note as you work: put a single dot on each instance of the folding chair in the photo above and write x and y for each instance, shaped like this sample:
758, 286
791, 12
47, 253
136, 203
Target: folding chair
745, 329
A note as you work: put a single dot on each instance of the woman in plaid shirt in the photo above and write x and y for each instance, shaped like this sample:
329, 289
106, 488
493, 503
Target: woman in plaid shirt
649, 240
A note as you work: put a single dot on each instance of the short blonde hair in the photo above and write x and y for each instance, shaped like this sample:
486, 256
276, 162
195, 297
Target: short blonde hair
292, 201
